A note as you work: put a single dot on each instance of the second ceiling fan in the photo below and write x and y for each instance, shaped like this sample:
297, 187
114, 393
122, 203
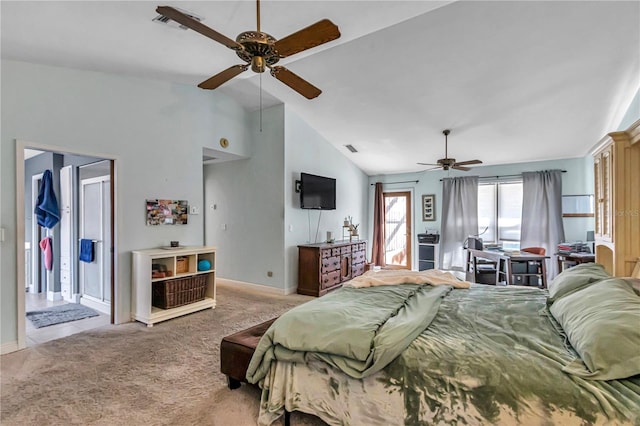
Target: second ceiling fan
260, 50
446, 163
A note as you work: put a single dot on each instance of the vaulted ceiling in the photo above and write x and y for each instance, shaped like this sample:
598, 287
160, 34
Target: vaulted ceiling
516, 81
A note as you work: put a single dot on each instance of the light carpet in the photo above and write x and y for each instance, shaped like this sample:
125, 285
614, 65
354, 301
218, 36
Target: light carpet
130, 374
60, 314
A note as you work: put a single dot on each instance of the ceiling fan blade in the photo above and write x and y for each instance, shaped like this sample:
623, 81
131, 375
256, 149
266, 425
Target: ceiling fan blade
468, 163
195, 25
457, 167
314, 35
298, 84
223, 77
429, 164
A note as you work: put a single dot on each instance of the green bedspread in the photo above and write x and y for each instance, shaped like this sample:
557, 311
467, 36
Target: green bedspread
492, 355
359, 331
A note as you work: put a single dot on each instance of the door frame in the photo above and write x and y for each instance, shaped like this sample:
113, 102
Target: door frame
409, 223
36, 263
21, 145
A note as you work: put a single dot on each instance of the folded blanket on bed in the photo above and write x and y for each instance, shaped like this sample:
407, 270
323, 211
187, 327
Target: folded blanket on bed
358, 330
403, 276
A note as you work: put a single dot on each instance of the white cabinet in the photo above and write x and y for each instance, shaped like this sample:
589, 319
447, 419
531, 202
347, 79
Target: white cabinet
174, 264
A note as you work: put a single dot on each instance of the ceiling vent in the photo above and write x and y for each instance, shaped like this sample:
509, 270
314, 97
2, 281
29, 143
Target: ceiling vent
351, 148
170, 22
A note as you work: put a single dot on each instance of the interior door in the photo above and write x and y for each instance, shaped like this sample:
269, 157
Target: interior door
95, 224
397, 229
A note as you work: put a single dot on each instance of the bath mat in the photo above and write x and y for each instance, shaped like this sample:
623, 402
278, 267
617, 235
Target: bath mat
59, 314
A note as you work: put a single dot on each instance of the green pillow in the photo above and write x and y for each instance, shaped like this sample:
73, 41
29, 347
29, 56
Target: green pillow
602, 322
575, 278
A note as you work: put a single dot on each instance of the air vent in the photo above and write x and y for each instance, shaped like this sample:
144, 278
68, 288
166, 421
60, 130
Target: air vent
161, 19
351, 148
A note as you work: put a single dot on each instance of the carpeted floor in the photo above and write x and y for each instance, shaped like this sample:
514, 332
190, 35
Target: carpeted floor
130, 374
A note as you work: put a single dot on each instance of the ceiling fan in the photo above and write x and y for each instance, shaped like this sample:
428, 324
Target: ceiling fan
446, 163
260, 50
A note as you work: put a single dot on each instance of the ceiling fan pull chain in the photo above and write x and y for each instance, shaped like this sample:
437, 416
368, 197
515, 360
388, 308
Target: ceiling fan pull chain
260, 103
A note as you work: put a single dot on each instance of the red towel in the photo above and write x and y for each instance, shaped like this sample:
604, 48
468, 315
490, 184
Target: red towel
47, 249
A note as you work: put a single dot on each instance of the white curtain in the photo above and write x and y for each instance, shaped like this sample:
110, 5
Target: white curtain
459, 219
542, 214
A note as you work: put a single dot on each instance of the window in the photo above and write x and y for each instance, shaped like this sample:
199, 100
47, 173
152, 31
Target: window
500, 213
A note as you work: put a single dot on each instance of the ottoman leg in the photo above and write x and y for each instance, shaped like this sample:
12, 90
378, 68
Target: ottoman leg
233, 383
287, 418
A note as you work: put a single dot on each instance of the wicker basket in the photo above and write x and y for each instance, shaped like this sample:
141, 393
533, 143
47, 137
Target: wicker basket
182, 265
182, 291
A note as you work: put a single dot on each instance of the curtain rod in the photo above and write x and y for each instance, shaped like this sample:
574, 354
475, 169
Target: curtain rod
402, 181
505, 176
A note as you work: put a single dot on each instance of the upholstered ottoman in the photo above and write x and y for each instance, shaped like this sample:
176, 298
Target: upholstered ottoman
236, 351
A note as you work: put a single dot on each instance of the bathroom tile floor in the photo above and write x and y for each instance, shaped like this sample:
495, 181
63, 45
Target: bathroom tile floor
35, 336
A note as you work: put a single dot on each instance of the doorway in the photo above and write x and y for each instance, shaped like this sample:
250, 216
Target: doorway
45, 289
397, 230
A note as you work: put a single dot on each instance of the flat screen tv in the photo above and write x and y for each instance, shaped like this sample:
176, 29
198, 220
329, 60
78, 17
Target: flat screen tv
317, 192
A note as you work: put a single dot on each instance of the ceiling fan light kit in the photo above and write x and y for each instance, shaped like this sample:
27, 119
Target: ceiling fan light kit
447, 163
260, 50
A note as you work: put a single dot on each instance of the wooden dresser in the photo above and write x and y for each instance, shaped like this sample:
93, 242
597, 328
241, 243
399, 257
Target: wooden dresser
324, 267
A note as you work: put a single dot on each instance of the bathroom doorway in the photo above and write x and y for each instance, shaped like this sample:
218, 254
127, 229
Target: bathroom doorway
62, 284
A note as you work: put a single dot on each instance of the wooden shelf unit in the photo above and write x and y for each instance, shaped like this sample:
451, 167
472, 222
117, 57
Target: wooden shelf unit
142, 282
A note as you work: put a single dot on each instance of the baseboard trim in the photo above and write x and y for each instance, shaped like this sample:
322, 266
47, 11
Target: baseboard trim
256, 287
54, 296
98, 306
9, 347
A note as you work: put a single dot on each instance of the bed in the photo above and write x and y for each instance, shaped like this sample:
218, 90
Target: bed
479, 355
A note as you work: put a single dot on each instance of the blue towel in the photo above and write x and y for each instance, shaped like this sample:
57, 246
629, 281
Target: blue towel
86, 250
46, 208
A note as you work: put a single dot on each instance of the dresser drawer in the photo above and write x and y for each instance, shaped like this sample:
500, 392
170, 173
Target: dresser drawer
357, 269
330, 279
330, 264
335, 251
325, 253
358, 257
345, 250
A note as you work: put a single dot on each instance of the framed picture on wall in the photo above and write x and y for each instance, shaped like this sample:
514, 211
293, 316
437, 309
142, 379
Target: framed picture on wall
429, 207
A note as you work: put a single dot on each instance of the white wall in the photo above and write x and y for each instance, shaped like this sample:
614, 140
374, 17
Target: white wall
577, 180
249, 195
247, 224
308, 151
156, 131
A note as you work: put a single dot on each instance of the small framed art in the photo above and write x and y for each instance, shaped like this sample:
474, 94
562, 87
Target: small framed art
428, 207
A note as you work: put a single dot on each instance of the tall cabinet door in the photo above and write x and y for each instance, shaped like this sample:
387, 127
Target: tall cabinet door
66, 233
95, 224
603, 191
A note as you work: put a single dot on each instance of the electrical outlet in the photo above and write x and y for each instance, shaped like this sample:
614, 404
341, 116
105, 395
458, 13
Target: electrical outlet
195, 210
269, 274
